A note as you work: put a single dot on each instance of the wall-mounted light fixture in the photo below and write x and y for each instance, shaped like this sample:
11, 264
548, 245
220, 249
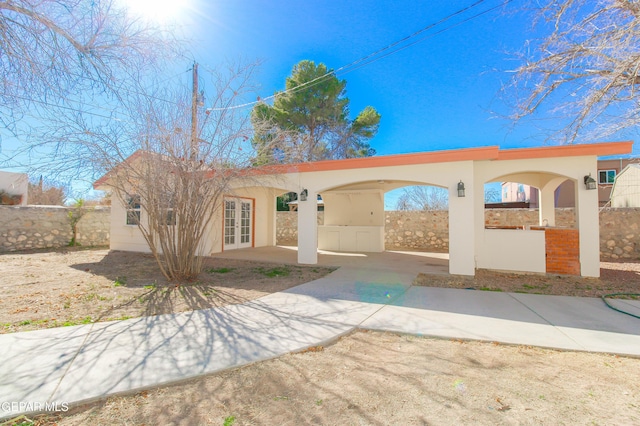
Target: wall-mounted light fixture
460, 189
303, 195
590, 182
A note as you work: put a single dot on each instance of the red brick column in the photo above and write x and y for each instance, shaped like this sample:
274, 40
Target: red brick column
562, 251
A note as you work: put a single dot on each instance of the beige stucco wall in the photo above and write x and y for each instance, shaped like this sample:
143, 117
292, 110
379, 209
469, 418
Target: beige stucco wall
125, 237
546, 174
446, 175
355, 208
429, 231
129, 238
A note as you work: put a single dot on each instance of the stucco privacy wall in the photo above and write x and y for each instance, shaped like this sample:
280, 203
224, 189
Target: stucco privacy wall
48, 226
429, 231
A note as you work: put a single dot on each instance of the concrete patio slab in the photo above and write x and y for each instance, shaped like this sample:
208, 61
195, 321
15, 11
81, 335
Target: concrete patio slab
574, 323
408, 262
587, 313
468, 314
630, 306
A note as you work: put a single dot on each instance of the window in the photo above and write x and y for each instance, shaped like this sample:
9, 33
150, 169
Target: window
170, 218
133, 210
606, 177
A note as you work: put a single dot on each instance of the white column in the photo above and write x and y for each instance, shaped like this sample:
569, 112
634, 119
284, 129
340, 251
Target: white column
588, 222
461, 226
308, 229
272, 217
547, 209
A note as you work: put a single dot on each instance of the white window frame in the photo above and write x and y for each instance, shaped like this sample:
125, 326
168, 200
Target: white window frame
606, 174
133, 209
170, 217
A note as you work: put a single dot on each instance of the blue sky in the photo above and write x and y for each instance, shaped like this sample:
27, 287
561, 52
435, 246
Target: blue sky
441, 93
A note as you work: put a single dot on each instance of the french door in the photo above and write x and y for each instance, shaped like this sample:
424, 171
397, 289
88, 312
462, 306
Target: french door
238, 223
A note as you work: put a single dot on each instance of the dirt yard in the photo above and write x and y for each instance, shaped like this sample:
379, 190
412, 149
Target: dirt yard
70, 287
364, 378
387, 379
615, 277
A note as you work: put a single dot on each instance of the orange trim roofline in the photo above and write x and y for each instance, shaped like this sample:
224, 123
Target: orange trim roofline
597, 149
488, 153
466, 154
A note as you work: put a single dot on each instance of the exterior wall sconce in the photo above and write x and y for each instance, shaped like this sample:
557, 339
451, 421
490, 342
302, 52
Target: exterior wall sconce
303, 195
590, 182
460, 189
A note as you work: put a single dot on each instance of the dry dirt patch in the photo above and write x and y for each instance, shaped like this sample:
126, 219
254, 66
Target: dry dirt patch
615, 277
388, 379
69, 287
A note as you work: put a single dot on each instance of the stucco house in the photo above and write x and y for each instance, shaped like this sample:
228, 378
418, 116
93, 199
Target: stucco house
626, 189
353, 194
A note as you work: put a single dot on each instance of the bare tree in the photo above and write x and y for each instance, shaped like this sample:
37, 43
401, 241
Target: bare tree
69, 57
492, 194
587, 70
82, 70
173, 188
54, 48
46, 194
426, 198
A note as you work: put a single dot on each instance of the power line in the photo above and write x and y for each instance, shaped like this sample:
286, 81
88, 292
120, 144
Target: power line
457, 24
112, 111
352, 66
64, 107
370, 58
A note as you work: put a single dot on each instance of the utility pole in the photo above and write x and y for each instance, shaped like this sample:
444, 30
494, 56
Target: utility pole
195, 150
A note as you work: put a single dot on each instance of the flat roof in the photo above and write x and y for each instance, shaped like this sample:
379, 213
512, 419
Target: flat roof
488, 153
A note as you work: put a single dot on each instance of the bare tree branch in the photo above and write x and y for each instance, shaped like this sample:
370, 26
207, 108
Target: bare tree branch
587, 69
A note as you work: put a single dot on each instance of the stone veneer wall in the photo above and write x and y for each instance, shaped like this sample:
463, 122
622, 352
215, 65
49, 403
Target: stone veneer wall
620, 233
287, 227
29, 227
42, 227
429, 231
416, 230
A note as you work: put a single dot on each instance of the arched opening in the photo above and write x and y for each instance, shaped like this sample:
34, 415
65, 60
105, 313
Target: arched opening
527, 230
417, 219
526, 199
384, 215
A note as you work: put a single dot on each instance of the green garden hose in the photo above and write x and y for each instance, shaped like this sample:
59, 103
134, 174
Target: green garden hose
604, 299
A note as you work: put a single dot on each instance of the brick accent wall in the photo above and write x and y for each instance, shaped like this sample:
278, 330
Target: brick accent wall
562, 251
